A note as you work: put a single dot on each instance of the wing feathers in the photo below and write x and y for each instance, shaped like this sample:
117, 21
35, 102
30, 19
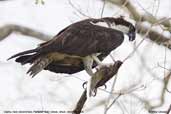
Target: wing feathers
23, 53
38, 66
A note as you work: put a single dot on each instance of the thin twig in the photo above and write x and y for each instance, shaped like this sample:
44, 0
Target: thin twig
103, 7
164, 61
147, 32
163, 67
169, 109
78, 10
110, 95
145, 35
113, 102
129, 90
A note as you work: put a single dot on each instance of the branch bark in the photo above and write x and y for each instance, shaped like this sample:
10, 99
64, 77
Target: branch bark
6, 30
141, 29
154, 36
137, 16
169, 109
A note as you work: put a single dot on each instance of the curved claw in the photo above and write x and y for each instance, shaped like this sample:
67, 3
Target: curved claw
83, 85
105, 86
94, 92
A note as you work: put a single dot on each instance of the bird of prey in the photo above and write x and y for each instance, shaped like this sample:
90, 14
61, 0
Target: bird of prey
81, 45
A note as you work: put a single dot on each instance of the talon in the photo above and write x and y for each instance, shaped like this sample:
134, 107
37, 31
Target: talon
83, 85
94, 92
105, 86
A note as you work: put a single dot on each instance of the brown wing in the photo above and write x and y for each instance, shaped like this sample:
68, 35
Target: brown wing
83, 39
79, 39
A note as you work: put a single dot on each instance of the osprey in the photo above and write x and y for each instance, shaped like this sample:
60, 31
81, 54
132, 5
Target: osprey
81, 45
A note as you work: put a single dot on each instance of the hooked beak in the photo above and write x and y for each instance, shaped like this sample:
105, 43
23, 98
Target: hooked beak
131, 36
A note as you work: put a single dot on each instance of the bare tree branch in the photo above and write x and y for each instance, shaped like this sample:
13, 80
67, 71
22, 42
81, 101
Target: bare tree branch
169, 109
80, 103
77, 9
113, 102
6, 30
138, 17
154, 36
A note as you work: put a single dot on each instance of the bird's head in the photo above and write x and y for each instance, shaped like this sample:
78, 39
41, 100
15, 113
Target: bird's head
122, 25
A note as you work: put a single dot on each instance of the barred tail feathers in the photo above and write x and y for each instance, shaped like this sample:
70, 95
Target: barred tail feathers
38, 65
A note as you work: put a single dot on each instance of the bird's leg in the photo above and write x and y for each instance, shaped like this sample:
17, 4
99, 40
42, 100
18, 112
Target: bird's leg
96, 59
99, 63
88, 63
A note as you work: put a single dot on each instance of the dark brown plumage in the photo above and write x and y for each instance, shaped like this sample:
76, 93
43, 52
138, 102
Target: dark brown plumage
66, 51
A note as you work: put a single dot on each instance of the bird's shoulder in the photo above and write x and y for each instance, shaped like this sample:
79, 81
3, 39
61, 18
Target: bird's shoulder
84, 36
89, 27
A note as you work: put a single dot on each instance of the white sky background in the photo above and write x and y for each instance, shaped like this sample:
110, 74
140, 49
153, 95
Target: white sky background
50, 91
